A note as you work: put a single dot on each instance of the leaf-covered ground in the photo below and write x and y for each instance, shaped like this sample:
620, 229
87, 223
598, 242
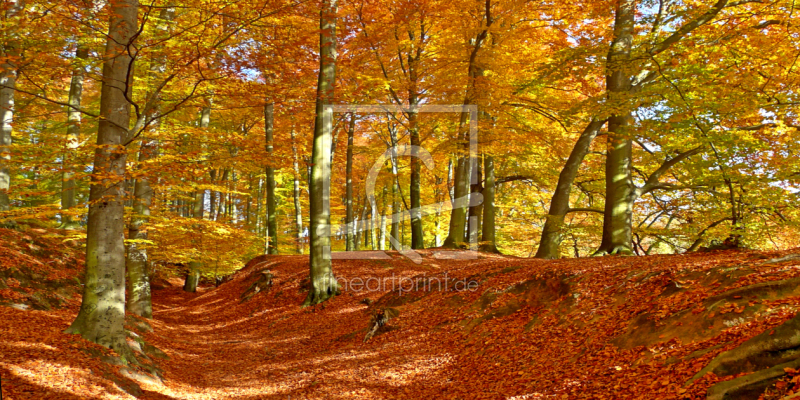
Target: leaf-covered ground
615, 328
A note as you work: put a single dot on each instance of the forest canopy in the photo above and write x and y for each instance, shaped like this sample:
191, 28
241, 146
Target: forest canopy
637, 127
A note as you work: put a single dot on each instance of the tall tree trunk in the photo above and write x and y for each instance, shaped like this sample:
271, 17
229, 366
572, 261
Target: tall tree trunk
138, 279
73, 134
102, 314
349, 185
364, 225
488, 242
396, 210
417, 235
298, 214
475, 212
620, 190
9, 51
323, 284
193, 275
382, 237
458, 215
272, 219
220, 211
552, 235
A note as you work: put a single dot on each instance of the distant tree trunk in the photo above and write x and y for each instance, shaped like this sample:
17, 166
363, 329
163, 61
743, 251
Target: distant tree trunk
257, 229
620, 190
396, 210
364, 225
102, 314
220, 210
212, 197
488, 242
552, 235
382, 237
9, 51
272, 219
323, 283
298, 214
247, 210
476, 212
417, 234
193, 275
138, 279
349, 189
73, 134
458, 215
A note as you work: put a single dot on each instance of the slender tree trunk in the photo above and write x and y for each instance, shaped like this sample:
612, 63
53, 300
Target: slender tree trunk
395, 230
552, 235
73, 134
102, 314
476, 212
272, 219
417, 235
620, 190
348, 202
138, 279
323, 284
365, 225
193, 275
220, 212
248, 211
488, 242
458, 215
9, 51
382, 237
257, 229
298, 214
396, 210
212, 197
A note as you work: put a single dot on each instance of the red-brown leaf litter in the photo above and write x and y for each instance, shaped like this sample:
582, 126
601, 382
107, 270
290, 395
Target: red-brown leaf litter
498, 328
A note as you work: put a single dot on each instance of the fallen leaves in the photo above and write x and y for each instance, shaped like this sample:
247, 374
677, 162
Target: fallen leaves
520, 334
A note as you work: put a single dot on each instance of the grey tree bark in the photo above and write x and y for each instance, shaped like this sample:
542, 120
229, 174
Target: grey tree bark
102, 314
298, 214
350, 244
619, 177
323, 284
8, 84
193, 275
488, 241
272, 220
552, 235
68, 187
621, 87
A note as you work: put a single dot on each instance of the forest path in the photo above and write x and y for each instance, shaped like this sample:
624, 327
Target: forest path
269, 347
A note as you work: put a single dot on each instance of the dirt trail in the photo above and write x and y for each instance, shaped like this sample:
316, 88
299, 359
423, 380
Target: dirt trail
270, 348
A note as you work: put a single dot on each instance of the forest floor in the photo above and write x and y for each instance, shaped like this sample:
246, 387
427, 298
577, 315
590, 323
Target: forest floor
497, 328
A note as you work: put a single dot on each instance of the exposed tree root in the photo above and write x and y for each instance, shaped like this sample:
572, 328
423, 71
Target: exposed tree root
765, 354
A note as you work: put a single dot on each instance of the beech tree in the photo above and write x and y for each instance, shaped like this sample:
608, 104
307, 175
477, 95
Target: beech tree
322, 282
102, 314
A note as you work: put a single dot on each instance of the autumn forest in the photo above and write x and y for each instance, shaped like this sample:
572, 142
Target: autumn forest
163, 156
